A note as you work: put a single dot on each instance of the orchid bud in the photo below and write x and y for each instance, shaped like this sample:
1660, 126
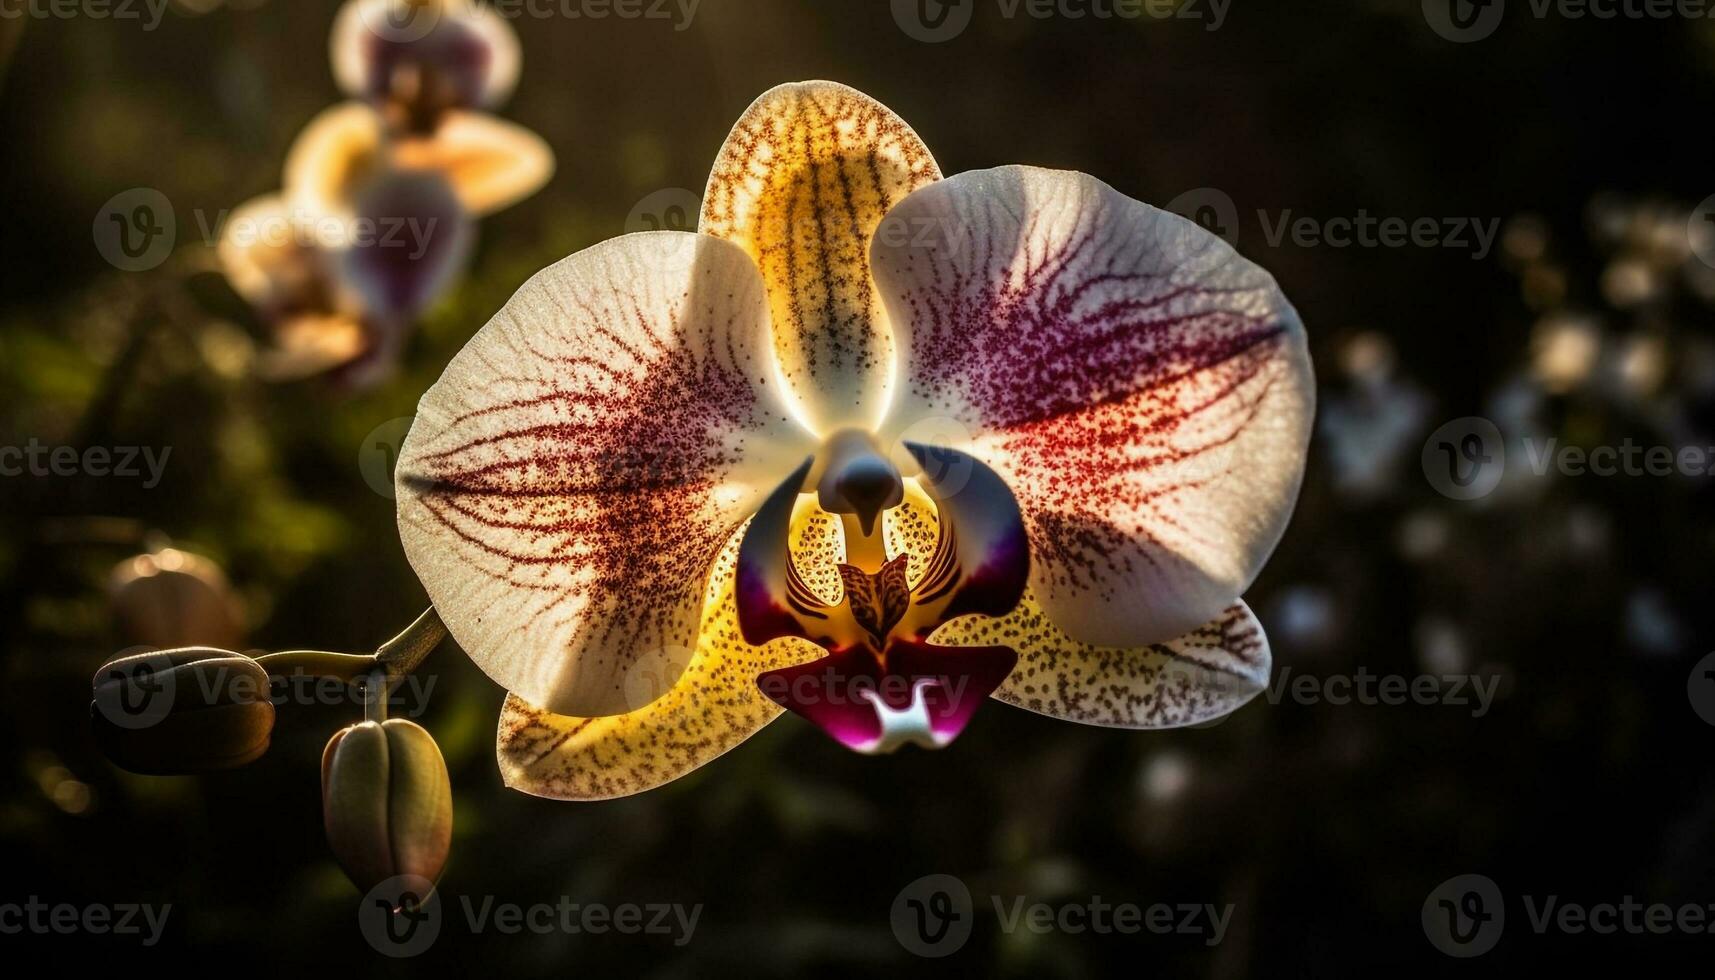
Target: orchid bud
171, 598
417, 59
387, 802
182, 711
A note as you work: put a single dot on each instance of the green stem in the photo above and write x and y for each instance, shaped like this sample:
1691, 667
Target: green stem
395, 658
404, 652
375, 691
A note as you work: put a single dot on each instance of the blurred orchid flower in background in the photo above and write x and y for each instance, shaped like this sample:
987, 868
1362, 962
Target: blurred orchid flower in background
869, 447
376, 218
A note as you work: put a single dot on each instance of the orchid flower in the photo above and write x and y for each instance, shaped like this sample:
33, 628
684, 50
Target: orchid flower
380, 195
869, 446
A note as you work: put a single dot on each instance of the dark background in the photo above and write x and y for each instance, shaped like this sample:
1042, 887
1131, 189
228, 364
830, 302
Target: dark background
1327, 825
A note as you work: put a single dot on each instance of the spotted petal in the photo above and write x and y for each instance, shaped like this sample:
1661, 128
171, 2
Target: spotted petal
571, 478
1200, 676
706, 711
1143, 389
802, 184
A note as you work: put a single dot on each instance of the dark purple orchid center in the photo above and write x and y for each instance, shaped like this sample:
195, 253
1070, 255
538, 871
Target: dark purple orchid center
416, 80
883, 685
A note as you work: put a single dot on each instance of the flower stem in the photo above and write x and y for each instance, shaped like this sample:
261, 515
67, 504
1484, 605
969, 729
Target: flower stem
404, 652
375, 692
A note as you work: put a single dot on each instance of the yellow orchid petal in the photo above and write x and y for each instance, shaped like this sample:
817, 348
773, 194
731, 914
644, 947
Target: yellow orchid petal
266, 259
335, 154
802, 184
1200, 676
710, 708
312, 344
492, 164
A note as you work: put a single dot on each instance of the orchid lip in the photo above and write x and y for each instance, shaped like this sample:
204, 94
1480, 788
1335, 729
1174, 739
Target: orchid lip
917, 693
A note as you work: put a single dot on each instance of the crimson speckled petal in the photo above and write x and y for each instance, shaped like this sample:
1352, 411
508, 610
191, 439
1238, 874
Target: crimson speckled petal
1143, 389
570, 479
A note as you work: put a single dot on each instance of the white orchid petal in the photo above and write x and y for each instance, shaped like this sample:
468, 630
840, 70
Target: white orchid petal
1144, 390
571, 478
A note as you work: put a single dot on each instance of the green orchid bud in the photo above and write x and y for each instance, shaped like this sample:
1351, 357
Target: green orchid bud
172, 712
387, 802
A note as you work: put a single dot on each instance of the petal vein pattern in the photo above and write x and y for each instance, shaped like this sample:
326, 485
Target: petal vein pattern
1144, 390
571, 478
